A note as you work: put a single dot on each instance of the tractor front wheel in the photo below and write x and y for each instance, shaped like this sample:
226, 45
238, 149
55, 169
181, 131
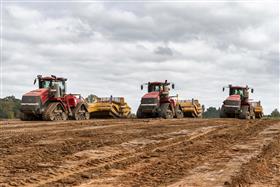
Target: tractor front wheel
54, 112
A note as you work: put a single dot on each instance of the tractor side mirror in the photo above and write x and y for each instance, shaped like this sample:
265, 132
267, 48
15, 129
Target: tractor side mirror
223, 89
141, 87
252, 90
35, 80
173, 86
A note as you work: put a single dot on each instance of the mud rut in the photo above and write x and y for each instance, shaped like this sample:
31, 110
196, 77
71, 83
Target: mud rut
186, 152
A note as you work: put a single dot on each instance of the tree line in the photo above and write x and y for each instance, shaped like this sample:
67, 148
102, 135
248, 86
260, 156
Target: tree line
10, 109
213, 112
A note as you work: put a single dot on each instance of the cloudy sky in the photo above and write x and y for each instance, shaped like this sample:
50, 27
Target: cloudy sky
109, 48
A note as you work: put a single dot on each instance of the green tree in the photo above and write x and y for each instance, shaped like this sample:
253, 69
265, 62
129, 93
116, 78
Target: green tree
212, 112
9, 107
275, 113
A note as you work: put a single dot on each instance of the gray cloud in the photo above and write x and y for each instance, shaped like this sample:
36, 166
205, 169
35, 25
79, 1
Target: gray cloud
164, 51
111, 48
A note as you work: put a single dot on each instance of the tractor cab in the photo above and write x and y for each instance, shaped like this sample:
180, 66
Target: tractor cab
57, 85
155, 87
243, 92
236, 91
158, 86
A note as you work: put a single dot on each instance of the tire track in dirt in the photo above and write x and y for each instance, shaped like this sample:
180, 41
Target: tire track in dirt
59, 126
97, 165
118, 152
63, 127
219, 170
263, 169
175, 163
24, 154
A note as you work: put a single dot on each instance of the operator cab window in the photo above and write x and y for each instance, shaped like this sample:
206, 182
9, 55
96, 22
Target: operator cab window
155, 88
45, 84
237, 92
61, 87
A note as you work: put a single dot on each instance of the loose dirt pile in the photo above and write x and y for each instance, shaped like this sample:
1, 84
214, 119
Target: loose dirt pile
185, 152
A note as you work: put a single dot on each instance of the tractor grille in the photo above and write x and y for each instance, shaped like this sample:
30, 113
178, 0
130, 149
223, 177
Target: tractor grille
30, 99
30, 105
149, 101
232, 103
147, 108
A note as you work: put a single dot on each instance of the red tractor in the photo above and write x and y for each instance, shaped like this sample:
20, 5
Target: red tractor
50, 102
238, 104
158, 103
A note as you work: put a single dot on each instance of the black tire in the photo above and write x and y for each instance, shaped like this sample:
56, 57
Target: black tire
64, 116
55, 112
80, 112
179, 113
166, 113
245, 114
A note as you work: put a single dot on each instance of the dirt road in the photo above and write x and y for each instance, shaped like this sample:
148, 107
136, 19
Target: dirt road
152, 152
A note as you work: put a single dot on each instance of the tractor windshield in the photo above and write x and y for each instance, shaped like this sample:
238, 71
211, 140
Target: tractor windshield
45, 84
61, 85
51, 83
155, 88
236, 91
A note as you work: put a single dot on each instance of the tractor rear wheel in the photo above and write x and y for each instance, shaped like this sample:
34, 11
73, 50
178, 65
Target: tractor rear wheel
179, 113
166, 113
80, 112
55, 112
245, 114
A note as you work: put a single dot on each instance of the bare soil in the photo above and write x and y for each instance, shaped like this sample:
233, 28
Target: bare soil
134, 152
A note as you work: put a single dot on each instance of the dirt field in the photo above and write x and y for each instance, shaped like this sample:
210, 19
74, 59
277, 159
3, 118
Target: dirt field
187, 152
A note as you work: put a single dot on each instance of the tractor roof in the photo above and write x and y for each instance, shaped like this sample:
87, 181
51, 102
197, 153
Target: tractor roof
158, 83
52, 78
239, 87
